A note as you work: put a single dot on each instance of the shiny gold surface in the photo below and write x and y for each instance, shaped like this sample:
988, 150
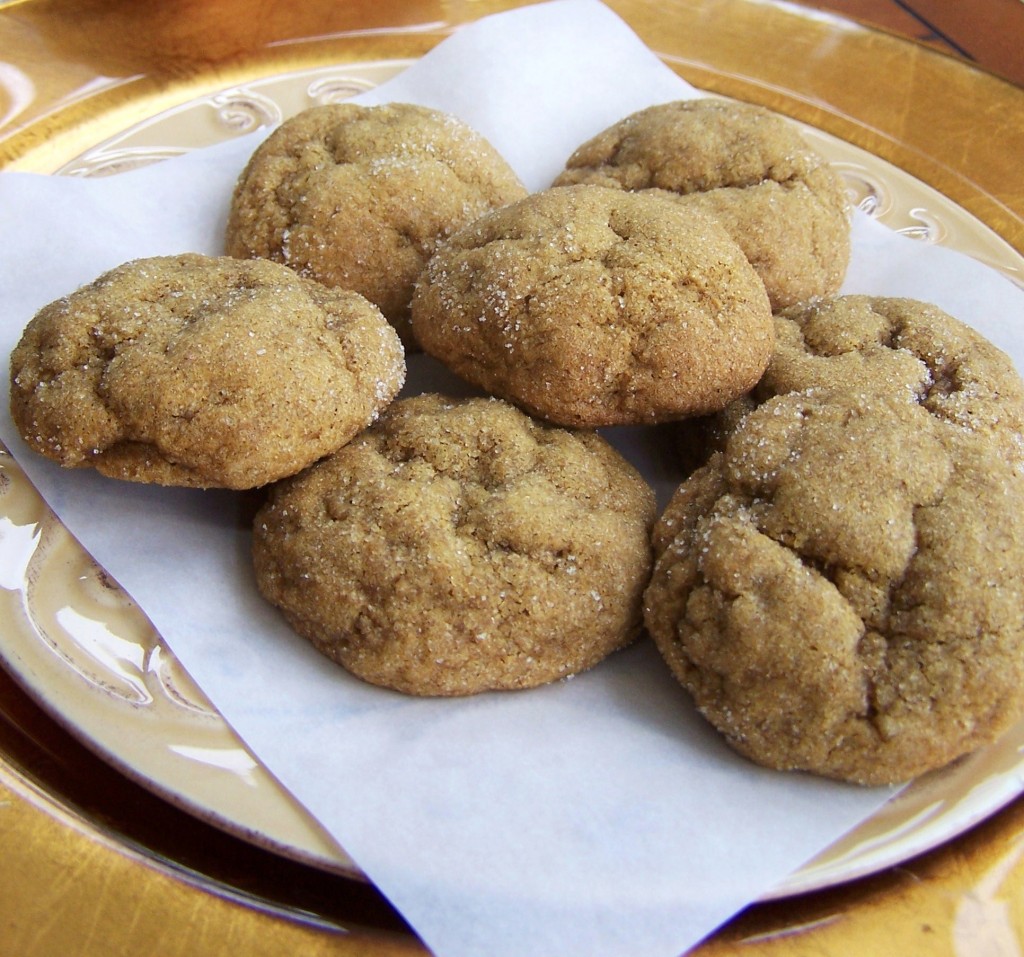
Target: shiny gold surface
91, 863
76, 69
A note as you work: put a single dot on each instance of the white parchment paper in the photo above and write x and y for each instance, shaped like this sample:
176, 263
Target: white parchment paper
598, 816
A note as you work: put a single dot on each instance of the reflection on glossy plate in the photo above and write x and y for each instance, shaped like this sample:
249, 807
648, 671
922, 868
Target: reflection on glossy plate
89, 656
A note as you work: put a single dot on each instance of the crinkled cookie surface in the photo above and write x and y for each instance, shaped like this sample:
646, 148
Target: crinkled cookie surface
897, 347
778, 198
906, 349
839, 586
459, 546
359, 197
589, 306
201, 371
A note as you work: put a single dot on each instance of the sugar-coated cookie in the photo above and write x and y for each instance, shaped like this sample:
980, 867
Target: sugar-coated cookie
590, 306
202, 371
839, 586
359, 197
458, 546
904, 348
897, 347
776, 196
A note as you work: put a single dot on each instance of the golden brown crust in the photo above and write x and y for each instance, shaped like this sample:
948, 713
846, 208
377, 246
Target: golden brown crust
459, 546
201, 371
590, 306
359, 197
841, 589
839, 585
779, 200
906, 349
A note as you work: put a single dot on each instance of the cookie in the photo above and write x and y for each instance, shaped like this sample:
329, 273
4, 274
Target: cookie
902, 348
906, 349
359, 197
201, 371
458, 546
589, 306
839, 587
777, 197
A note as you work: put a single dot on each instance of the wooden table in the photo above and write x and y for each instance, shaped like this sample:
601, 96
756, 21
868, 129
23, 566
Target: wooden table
989, 34
93, 864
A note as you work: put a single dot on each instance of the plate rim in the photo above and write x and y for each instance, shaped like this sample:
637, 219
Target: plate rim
1004, 241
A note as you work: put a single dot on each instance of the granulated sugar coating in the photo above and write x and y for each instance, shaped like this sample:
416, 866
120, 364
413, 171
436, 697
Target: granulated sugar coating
589, 306
750, 168
359, 197
202, 371
460, 546
906, 349
839, 586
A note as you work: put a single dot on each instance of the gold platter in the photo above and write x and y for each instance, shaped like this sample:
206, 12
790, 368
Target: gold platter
88, 88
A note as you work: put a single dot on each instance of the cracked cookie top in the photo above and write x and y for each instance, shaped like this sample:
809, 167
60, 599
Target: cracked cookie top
201, 371
839, 586
359, 197
750, 168
459, 546
840, 590
904, 348
590, 306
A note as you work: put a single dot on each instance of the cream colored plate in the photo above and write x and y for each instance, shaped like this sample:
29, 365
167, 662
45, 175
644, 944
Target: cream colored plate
89, 656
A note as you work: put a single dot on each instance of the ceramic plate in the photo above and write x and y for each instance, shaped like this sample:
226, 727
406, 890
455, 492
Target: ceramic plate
88, 655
